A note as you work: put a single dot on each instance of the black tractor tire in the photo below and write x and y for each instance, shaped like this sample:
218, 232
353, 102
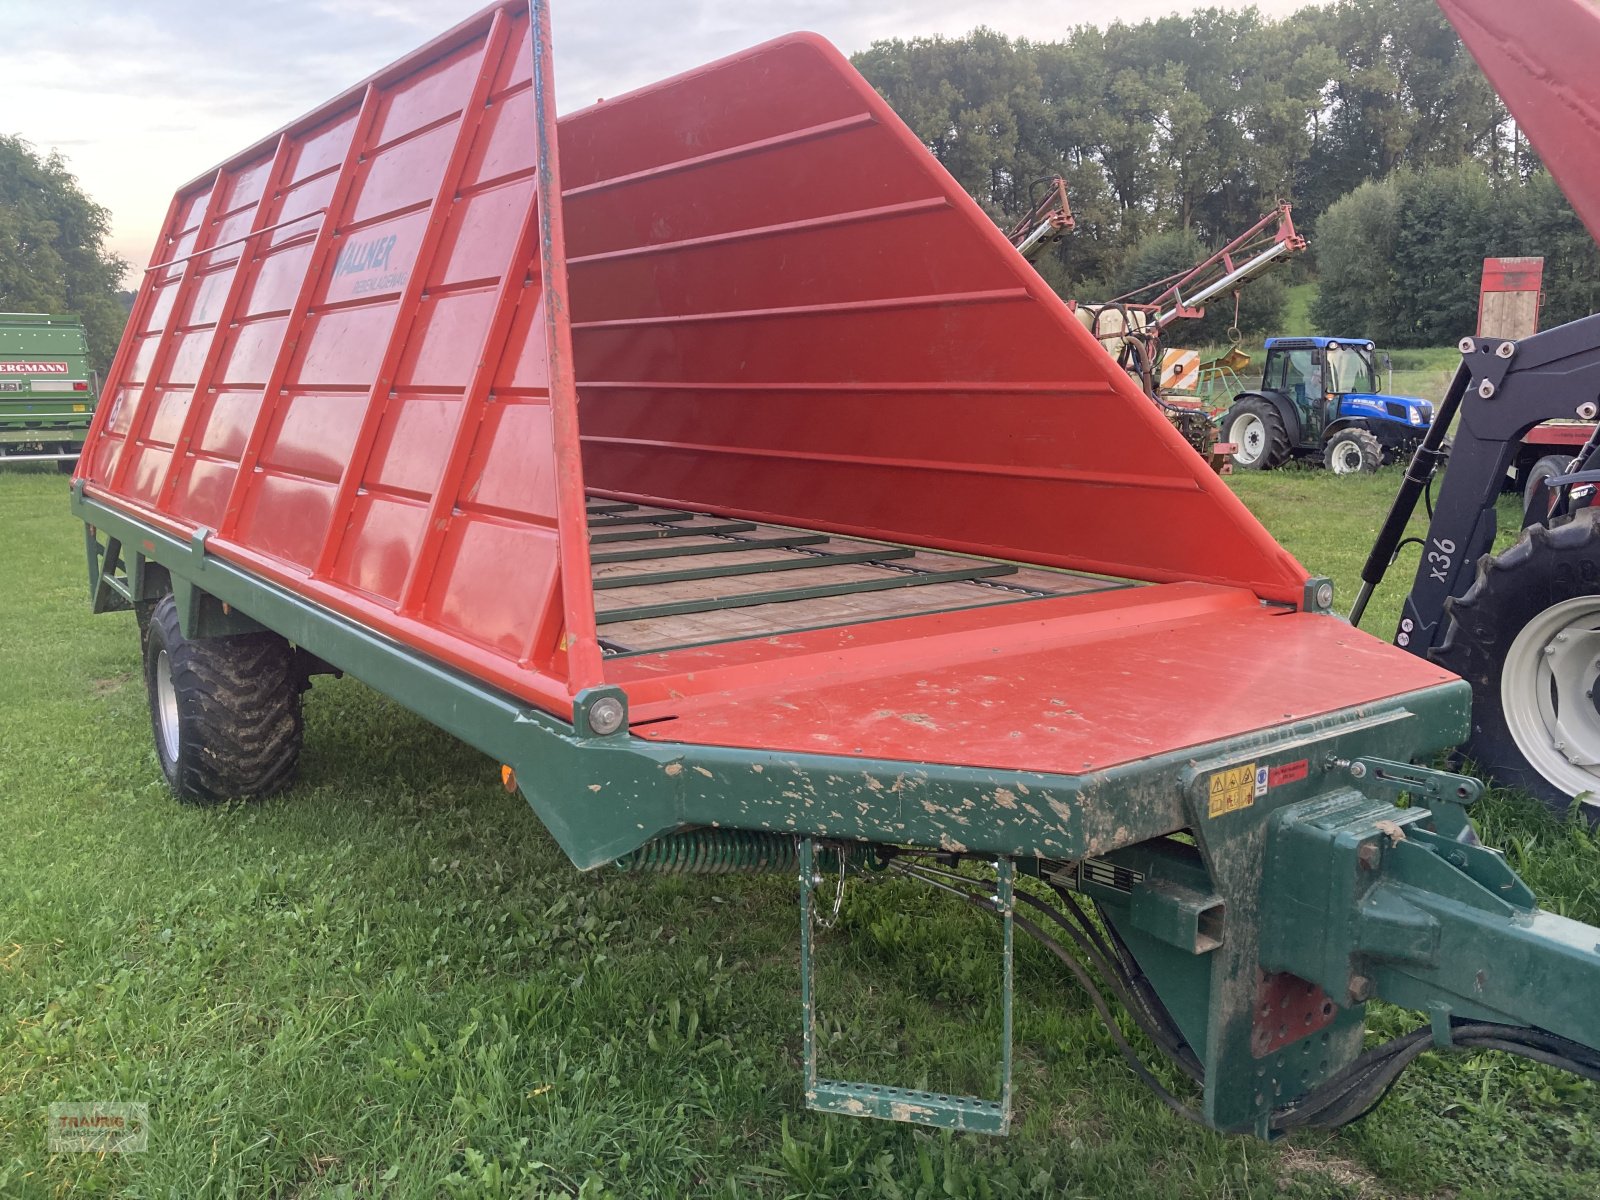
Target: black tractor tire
1352, 451
1274, 448
1547, 467
224, 711
1507, 637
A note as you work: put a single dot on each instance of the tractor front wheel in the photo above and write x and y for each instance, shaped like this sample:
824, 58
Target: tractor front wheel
1526, 636
1547, 467
1353, 451
1260, 441
225, 711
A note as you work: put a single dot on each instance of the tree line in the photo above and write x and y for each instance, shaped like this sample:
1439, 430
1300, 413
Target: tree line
1175, 134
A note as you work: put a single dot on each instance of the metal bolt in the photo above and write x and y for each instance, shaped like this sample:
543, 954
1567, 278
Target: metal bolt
1486, 388
1408, 625
1506, 349
1358, 770
1466, 345
606, 715
1360, 989
1549, 650
1588, 410
1403, 640
1324, 594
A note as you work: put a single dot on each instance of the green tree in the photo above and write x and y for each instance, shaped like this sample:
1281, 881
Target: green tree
1541, 222
1355, 245
52, 247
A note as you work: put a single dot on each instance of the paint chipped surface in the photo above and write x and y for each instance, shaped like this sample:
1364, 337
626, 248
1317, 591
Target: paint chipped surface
674, 768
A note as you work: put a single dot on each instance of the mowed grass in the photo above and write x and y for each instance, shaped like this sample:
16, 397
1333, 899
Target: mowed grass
390, 982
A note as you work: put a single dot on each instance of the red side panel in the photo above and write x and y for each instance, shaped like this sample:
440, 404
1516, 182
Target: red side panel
785, 309
1540, 57
341, 371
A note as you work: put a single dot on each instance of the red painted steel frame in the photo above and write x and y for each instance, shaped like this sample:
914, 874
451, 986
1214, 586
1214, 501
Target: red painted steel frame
352, 366
1540, 57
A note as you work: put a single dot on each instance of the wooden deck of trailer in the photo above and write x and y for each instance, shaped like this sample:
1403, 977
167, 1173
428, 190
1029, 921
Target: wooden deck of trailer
667, 578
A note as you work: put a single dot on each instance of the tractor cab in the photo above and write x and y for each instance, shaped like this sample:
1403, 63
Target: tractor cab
1319, 398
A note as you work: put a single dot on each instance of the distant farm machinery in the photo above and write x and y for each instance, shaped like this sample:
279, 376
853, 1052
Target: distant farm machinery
1130, 327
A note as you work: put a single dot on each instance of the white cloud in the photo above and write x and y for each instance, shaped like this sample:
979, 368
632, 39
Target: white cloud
145, 96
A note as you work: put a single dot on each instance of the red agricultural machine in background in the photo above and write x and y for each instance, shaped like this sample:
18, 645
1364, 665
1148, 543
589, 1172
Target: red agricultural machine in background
727, 476
1130, 327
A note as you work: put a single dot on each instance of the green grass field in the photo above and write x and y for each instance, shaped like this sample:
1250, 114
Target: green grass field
389, 982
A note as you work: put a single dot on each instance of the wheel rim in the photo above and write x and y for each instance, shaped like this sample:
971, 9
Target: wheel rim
166, 707
1345, 458
1547, 690
1249, 435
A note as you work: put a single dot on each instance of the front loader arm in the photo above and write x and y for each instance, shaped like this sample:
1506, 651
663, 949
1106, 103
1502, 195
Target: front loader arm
1501, 391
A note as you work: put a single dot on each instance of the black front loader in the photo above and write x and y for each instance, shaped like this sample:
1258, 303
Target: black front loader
1537, 727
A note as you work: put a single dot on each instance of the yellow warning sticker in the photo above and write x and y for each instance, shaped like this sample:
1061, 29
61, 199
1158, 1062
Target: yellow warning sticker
1233, 789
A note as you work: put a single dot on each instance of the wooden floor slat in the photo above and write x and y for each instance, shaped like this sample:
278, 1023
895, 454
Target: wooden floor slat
667, 578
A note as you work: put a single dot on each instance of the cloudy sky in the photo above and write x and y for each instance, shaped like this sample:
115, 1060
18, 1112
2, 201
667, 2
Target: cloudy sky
143, 95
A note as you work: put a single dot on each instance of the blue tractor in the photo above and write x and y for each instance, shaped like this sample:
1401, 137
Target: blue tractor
1318, 399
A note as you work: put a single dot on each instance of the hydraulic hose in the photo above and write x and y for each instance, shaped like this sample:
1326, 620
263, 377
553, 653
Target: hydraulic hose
1418, 474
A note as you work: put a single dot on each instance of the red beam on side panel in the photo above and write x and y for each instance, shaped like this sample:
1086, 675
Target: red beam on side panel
206, 377
408, 306
316, 266
584, 667
144, 414
99, 427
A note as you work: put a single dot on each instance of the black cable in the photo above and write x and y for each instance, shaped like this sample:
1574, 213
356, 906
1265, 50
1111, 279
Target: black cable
1346, 1096
1086, 982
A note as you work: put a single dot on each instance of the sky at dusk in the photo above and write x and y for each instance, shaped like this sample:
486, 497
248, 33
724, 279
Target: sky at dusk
143, 96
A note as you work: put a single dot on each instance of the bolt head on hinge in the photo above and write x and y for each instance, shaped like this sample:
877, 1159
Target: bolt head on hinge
606, 715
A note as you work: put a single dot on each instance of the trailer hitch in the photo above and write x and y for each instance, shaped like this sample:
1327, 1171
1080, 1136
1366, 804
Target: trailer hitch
1449, 794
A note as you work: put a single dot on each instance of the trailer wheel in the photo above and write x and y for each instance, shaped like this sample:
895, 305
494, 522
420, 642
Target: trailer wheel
225, 711
1261, 443
1353, 451
1547, 467
1526, 636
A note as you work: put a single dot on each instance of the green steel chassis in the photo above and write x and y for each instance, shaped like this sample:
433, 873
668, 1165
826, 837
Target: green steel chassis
1264, 930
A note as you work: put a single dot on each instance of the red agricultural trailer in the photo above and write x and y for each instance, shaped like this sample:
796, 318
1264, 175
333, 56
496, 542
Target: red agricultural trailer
710, 460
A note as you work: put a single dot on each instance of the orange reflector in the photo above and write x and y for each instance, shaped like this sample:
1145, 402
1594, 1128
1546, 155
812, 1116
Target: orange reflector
508, 778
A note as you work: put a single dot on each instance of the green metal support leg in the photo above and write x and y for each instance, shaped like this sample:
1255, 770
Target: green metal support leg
942, 1111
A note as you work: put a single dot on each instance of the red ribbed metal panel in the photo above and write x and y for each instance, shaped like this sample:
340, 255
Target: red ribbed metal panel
785, 309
